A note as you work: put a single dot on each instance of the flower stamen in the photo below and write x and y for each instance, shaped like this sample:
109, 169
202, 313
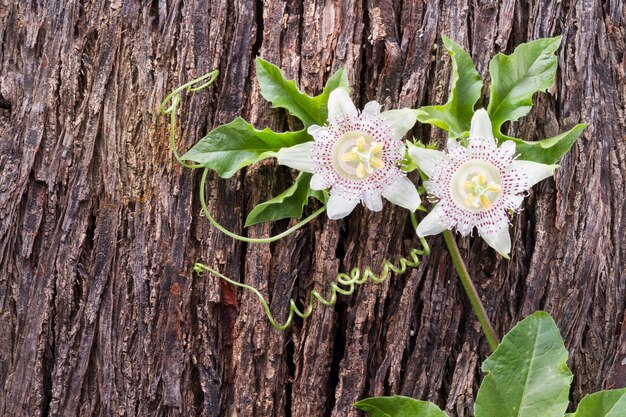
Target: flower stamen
477, 188
365, 154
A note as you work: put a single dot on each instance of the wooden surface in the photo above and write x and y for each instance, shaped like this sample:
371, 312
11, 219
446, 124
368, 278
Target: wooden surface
100, 313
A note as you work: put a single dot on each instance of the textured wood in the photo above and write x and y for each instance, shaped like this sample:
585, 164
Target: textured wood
100, 313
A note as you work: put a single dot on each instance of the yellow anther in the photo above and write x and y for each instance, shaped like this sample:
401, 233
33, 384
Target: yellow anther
376, 147
468, 185
493, 187
349, 156
485, 202
376, 162
360, 170
482, 179
470, 200
360, 143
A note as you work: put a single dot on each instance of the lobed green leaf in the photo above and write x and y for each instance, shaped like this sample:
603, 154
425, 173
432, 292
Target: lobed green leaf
285, 94
548, 151
527, 375
398, 406
230, 147
465, 88
515, 78
288, 204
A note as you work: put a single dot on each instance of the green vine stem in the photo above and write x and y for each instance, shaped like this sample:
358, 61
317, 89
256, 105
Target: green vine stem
344, 284
470, 290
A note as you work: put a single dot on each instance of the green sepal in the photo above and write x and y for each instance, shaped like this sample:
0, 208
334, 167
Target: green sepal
284, 93
610, 403
288, 204
465, 88
517, 77
230, 147
527, 375
398, 406
547, 151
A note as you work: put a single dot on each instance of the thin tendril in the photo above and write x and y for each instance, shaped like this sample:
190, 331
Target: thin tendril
174, 97
221, 228
344, 284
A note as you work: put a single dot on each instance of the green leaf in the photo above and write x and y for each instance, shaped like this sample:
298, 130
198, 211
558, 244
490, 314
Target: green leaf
548, 151
516, 77
230, 147
603, 404
288, 204
285, 94
398, 406
456, 115
527, 375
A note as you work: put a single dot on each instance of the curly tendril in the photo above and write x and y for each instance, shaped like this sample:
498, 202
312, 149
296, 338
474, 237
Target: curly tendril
344, 284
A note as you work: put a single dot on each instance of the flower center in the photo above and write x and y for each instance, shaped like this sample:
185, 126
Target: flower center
476, 185
356, 155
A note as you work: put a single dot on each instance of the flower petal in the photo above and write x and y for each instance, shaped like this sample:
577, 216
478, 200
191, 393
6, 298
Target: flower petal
315, 130
319, 182
401, 121
338, 207
340, 105
298, 157
403, 193
373, 201
500, 241
426, 159
481, 125
506, 151
453, 145
371, 109
534, 171
432, 224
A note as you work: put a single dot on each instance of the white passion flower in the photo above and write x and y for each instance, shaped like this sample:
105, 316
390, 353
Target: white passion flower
476, 186
357, 156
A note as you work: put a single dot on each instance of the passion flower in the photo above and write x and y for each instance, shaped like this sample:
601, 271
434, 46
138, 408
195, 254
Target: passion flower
356, 155
477, 186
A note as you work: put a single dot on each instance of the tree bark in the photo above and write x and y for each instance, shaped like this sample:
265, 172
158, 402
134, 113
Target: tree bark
100, 312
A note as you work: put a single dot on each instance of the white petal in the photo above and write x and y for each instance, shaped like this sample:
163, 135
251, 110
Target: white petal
340, 105
481, 125
506, 150
315, 130
401, 121
426, 159
453, 145
533, 170
298, 157
431, 224
500, 241
371, 109
338, 207
319, 182
403, 193
373, 201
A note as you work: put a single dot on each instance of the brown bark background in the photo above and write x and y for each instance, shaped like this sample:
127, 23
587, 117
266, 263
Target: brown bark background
100, 313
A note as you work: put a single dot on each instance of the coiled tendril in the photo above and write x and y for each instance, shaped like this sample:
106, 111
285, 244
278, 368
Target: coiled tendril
344, 284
